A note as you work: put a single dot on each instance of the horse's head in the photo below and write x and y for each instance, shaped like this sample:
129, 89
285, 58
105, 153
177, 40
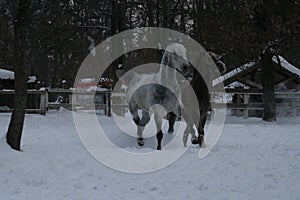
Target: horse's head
188, 71
176, 58
219, 63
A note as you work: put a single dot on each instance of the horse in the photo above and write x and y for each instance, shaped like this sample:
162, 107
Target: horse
159, 92
203, 98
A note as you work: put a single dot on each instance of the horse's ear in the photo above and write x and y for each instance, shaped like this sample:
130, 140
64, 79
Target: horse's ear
166, 58
221, 66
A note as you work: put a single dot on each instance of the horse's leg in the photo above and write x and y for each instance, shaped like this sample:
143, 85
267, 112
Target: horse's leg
159, 134
185, 136
201, 132
141, 126
133, 108
200, 139
171, 118
189, 129
194, 139
140, 139
137, 121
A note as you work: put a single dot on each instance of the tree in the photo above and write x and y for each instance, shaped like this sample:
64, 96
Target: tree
15, 129
269, 113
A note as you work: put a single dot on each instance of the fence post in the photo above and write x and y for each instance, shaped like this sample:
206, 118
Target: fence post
294, 106
44, 102
106, 104
109, 104
246, 102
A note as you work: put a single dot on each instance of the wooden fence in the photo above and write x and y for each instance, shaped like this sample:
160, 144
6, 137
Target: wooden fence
36, 103
252, 100
55, 99
40, 101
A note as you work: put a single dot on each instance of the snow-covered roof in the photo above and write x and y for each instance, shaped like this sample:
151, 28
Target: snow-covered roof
87, 80
237, 84
288, 66
6, 74
232, 73
284, 63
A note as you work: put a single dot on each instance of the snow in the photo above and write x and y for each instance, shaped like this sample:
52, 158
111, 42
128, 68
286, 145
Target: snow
285, 64
93, 89
31, 79
71, 3
237, 84
42, 89
252, 160
233, 73
87, 80
4, 108
6, 74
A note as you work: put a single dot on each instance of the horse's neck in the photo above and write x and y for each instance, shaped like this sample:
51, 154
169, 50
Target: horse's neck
198, 83
167, 76
167, 70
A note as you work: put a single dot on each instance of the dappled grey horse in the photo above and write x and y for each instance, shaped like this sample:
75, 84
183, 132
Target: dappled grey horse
159, 93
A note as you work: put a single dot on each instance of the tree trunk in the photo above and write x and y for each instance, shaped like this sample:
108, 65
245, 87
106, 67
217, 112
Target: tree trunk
182, 17
15, 128
269, 113
157, 14
150, 9
165, 12
115, 29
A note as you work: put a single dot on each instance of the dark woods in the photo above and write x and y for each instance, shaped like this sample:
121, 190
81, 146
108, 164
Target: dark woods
59, 33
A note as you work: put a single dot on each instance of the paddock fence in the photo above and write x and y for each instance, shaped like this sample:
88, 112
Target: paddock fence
249, 102
240, 102
39, 102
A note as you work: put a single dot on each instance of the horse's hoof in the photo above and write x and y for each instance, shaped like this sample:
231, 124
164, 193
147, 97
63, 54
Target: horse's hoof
195, 141
140, 142
203, 146
158, 148
170, 131
201, 141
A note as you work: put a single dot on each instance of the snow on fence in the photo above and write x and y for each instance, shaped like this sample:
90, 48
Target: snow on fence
288, 103
82, 100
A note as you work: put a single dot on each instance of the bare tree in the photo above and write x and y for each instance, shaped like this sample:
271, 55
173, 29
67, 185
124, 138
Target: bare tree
15, 129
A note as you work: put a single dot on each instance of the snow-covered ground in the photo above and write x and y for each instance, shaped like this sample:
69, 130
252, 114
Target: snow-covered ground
252, 160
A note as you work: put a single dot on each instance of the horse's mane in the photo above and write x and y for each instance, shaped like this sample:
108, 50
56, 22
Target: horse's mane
178, 49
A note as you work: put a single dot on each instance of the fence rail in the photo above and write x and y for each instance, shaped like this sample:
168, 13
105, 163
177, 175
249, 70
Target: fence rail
41, 101
285, 101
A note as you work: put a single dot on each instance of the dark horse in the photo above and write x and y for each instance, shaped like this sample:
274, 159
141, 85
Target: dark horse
201, 90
